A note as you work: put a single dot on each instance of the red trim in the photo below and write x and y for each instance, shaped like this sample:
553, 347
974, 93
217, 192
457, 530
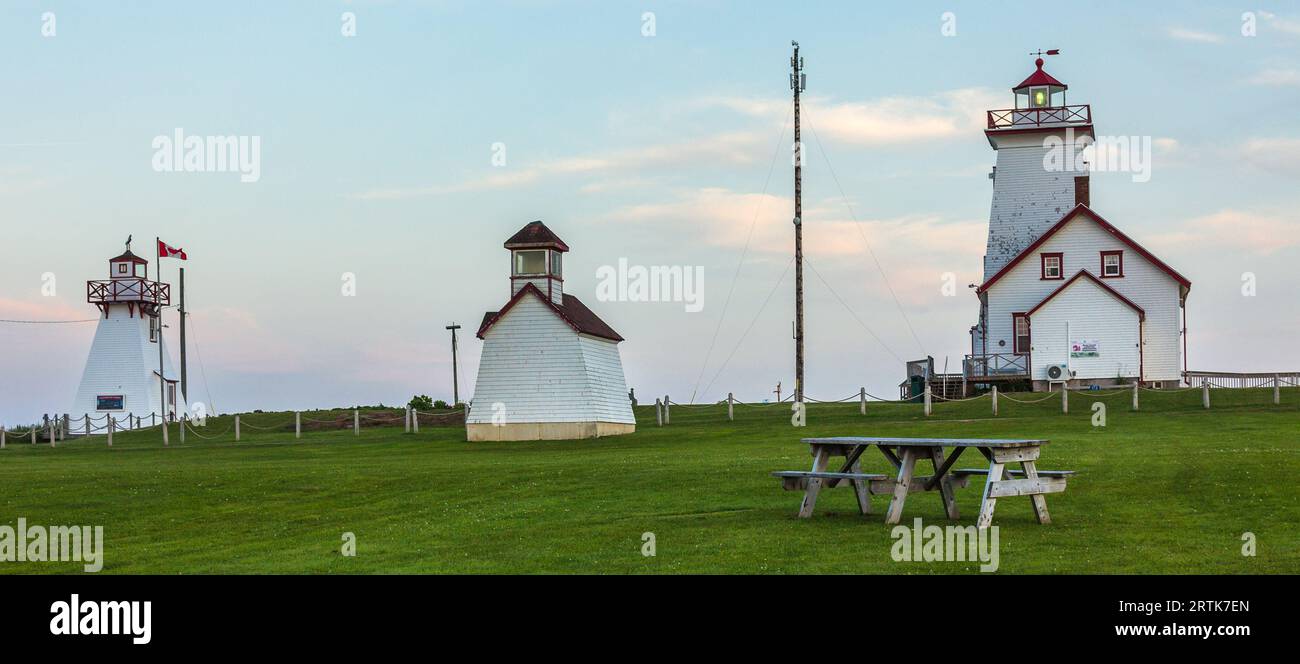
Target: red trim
531, 287
1015, 336
1142, 314
1102, 270
1042, 265
1013, 129
1107, 226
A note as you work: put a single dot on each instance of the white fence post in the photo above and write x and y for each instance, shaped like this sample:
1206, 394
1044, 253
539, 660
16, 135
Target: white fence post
297, 424
1135, 397
668, 413
356, 421
63, 428
415, 421
862, 400
33, 434
731, 415
2, 437
927, 399
164, 430
50, 428
87, 417
182, 428
1205, 394
995, 401
110, 425
659, 412
236, 428
1277, 390
406, 420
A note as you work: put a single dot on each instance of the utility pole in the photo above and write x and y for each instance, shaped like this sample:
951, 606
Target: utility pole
185, 395
455, 383
798, 81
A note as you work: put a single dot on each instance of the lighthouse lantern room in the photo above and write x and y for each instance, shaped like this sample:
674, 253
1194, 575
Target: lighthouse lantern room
121, 376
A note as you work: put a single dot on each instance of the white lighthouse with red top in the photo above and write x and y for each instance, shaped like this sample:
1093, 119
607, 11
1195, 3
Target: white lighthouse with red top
121, 376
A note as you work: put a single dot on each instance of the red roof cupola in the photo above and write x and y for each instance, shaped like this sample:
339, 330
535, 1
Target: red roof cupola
1040, 88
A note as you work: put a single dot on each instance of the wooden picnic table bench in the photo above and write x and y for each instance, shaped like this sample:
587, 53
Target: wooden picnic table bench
903, 454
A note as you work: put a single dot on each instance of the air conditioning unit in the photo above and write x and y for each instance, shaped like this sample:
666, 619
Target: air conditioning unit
1059, 372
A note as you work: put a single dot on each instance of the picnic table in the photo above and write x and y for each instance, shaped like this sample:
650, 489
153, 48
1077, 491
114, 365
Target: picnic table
1000, 480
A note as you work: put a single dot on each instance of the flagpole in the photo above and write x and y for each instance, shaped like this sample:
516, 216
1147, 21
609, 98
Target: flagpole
162, 378
184, 393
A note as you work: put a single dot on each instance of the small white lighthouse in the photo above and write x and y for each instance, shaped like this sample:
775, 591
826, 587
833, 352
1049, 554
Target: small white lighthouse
121, 375
550, 367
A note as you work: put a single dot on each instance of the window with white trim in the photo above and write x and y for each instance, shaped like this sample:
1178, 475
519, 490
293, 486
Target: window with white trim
1112, 263
1052, 266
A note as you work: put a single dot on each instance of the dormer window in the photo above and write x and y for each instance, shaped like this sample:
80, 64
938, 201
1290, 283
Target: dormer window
1052, 266
1112, 264
530, 262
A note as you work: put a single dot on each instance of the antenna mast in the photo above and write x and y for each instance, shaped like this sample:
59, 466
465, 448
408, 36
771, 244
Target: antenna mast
798, 81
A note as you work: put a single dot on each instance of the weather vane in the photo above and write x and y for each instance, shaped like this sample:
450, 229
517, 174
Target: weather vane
1051, 51
128, 242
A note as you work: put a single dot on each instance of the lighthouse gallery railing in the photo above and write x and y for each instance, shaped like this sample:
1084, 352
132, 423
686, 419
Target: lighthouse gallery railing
1037, 117
128, 290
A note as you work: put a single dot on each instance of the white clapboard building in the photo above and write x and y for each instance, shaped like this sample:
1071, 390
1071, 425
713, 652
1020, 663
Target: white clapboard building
121, 375
1066, 297
550, 367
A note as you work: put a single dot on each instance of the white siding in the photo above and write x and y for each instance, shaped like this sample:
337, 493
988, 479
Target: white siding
541, 370
1081, 242
605, 376
1088, 312
542, 284
123, 361
1027, 198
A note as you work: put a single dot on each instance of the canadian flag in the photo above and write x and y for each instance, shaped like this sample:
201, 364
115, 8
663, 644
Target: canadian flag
167, 251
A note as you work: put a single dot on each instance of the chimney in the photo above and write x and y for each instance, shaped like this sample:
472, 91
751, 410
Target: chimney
1081, 194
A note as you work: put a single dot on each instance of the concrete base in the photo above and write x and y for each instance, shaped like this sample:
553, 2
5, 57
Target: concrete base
1084, 383
546, 430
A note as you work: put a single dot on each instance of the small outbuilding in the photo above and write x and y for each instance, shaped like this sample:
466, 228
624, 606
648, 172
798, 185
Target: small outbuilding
550, 368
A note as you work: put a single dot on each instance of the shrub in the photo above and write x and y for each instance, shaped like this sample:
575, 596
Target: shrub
421, 402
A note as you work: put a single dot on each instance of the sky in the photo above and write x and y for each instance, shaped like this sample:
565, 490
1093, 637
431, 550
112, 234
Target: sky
399, 156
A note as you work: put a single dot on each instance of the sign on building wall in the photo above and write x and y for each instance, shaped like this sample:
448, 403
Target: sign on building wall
108, 402
1085, 348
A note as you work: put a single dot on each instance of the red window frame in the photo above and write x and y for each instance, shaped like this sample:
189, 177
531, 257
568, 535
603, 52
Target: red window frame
1114, 252
1060, 265
1015, 334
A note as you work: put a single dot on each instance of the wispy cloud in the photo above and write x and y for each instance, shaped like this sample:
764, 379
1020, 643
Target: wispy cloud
1260, 233
731, 220
1186, 34
1276, 154
884, 121
728, 148
1289, 26
1276, 77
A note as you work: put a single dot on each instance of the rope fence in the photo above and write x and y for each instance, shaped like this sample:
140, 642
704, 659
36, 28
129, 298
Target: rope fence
58, 428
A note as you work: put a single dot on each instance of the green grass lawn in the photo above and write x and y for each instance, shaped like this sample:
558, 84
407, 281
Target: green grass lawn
1170, 489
